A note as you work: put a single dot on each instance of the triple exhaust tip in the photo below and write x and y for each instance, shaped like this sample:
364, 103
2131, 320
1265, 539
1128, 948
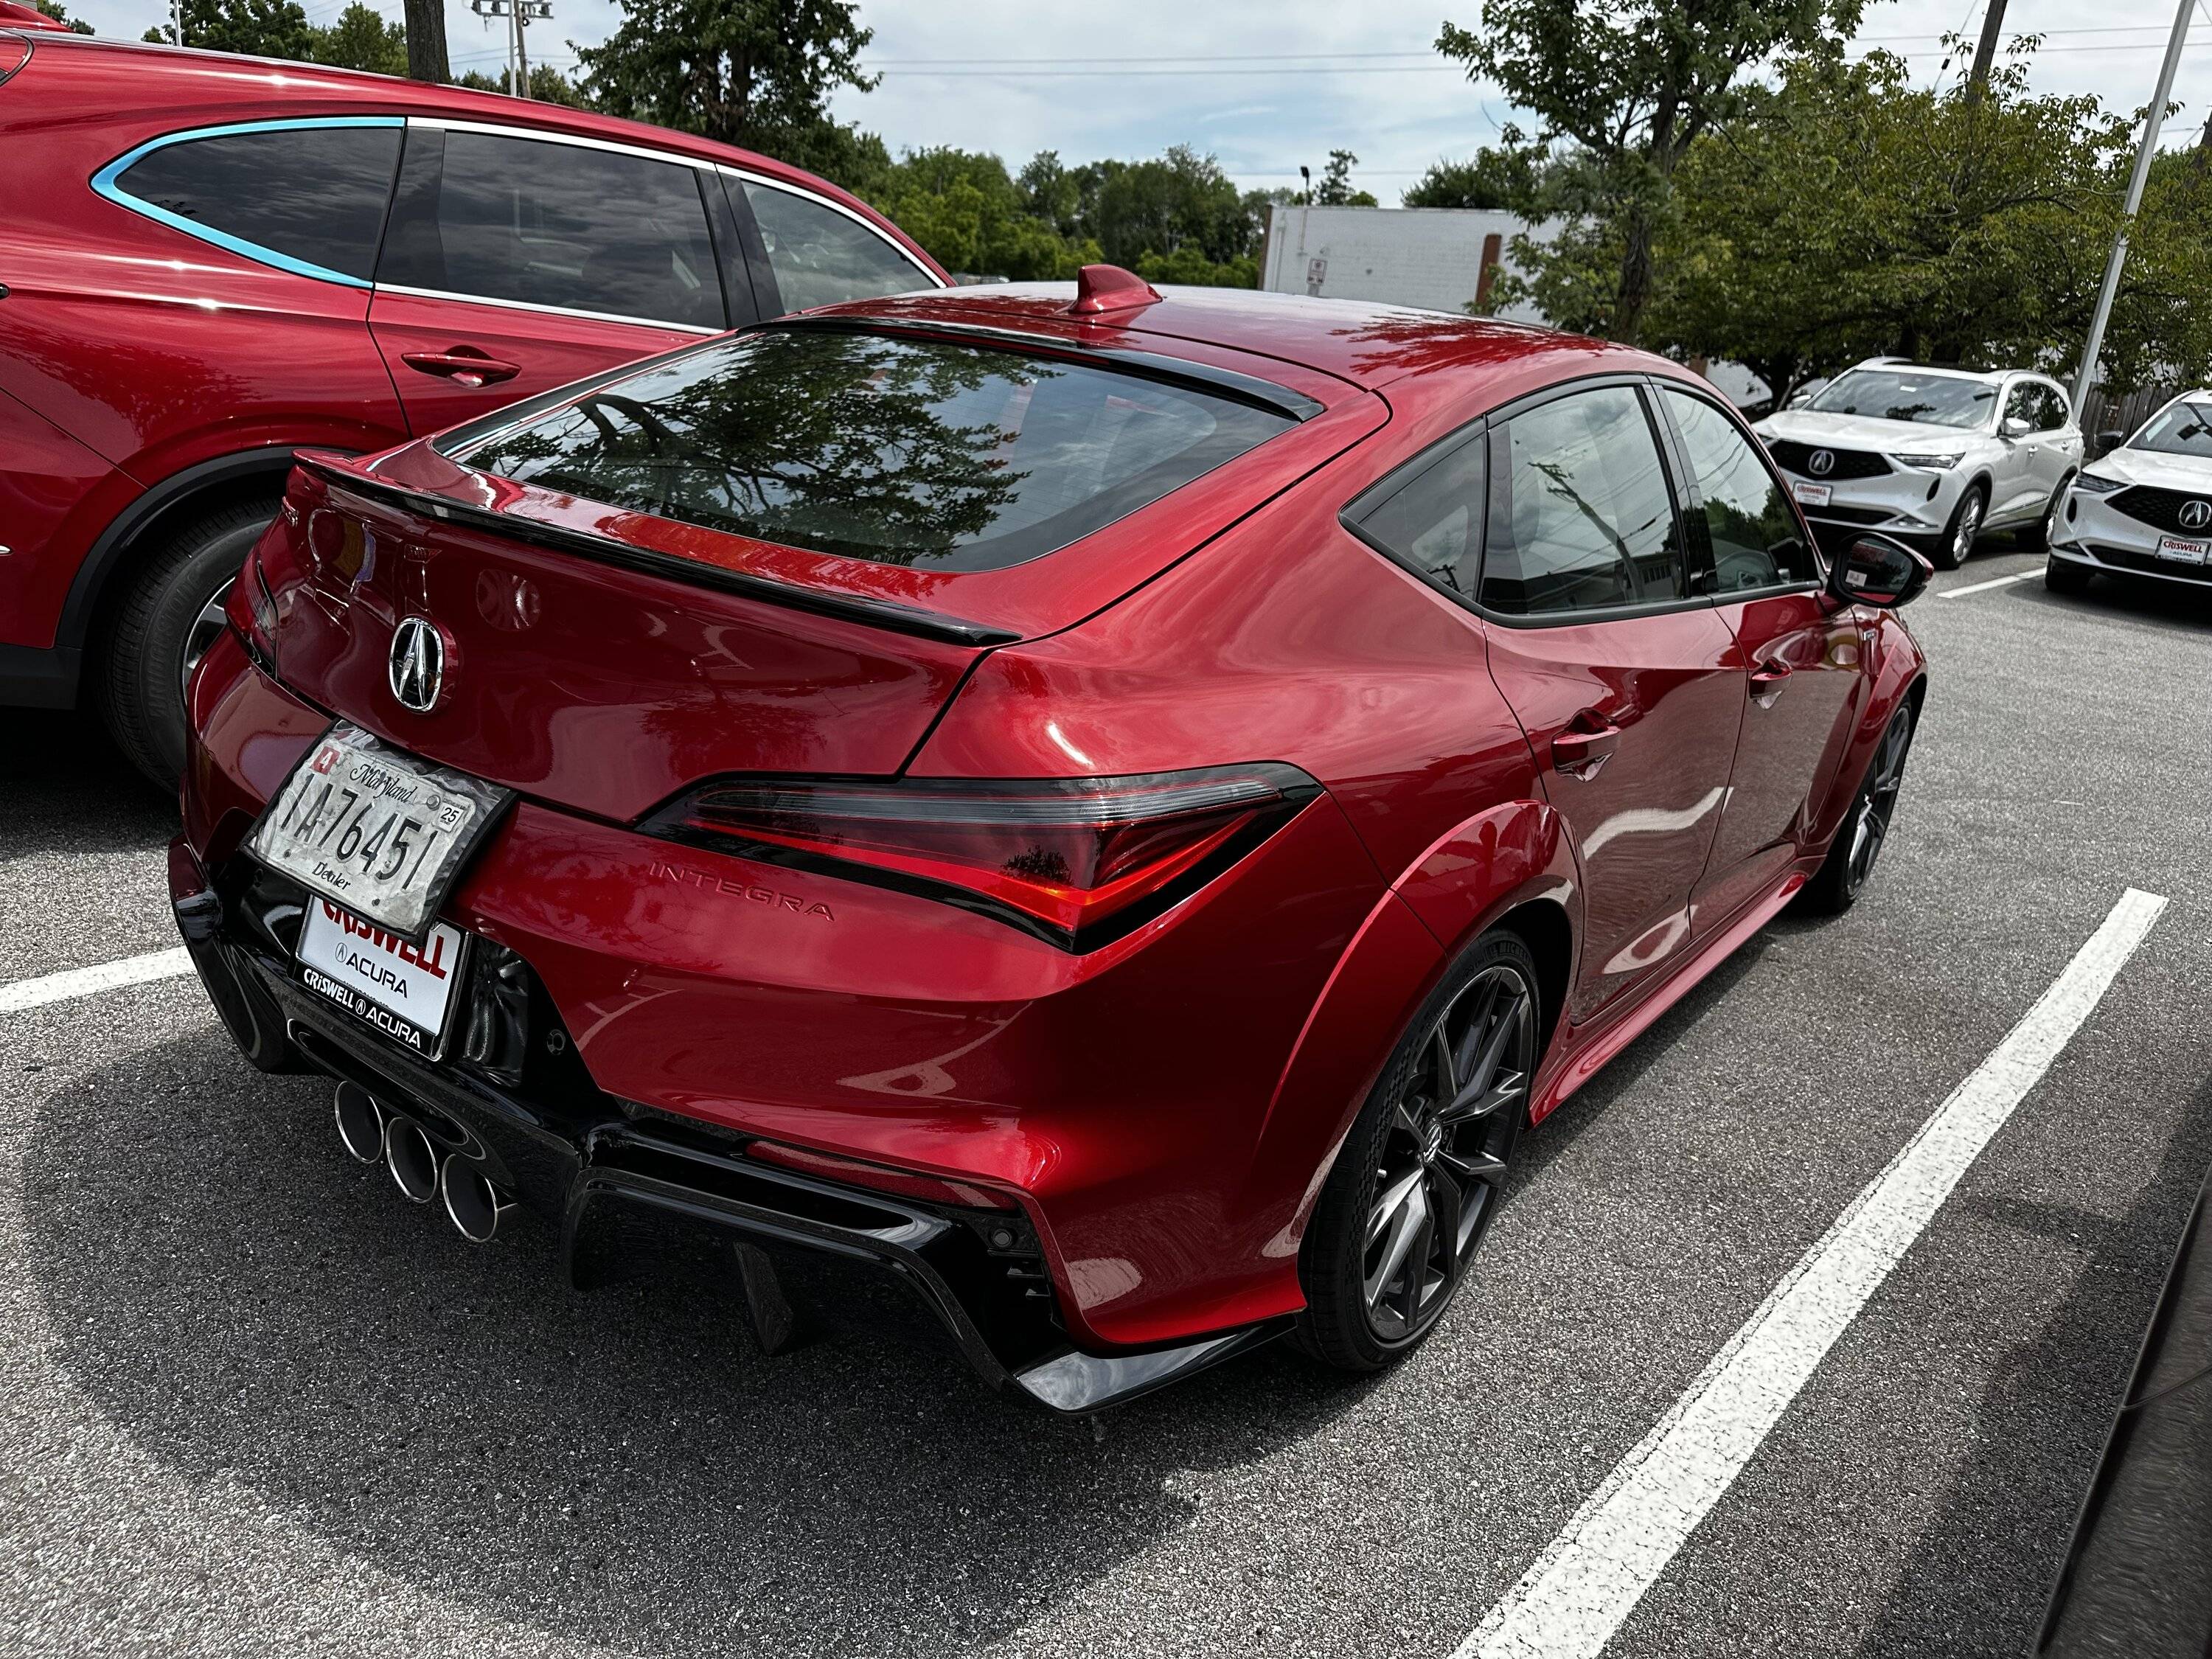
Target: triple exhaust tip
371, 1135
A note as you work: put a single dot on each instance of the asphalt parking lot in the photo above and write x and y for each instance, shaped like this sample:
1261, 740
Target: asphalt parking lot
252, 1402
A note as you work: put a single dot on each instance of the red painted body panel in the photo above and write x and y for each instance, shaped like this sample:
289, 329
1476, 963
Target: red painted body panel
159, 352
1165, 1107
549, 351
1642, 823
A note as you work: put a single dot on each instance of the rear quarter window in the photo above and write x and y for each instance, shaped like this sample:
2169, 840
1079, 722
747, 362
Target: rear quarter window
900, 451
310, 199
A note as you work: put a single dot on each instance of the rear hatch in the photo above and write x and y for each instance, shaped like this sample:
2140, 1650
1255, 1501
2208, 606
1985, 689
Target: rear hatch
775, 553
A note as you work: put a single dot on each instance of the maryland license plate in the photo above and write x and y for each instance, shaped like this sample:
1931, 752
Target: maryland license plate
378, 832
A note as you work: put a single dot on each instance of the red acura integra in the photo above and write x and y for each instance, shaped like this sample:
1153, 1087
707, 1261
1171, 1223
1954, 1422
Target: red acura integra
1114, 814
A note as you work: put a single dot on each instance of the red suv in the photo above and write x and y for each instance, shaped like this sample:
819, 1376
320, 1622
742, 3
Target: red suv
235, 259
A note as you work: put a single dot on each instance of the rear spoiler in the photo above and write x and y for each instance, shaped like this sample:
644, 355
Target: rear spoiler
885, 614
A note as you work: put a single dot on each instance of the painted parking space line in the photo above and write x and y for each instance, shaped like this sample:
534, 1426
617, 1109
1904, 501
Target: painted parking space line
1983, 587
89, 981
1570, 1602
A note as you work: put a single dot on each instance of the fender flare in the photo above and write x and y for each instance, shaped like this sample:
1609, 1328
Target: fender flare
1505, 857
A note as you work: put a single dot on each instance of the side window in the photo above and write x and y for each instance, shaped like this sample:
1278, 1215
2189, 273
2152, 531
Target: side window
553, 224
1434, 522
1580, 517
314, 197
2054, 411
1749, 522
2024, 402
821, 256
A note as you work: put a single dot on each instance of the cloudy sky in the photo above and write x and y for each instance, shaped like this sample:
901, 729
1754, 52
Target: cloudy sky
1268, 85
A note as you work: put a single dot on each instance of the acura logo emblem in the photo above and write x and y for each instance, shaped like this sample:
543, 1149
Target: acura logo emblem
2194, 515
416, 667
1821, 463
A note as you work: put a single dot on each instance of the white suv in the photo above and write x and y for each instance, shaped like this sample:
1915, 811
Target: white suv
2145, 508
1931, 456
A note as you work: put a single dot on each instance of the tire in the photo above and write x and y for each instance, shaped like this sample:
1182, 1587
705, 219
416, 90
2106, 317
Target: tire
1844, 873
1957, 539
167, 617
2065, 576
2036, 536
1429, 1147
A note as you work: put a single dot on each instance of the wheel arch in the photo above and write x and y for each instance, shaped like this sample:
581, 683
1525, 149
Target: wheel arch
1509, 866
104, 572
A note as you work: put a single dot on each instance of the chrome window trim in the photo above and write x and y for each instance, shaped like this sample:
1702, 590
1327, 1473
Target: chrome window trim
574, 140
551, 311
744, 176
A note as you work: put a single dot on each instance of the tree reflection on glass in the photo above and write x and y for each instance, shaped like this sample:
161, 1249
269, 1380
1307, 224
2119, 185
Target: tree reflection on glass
894, 450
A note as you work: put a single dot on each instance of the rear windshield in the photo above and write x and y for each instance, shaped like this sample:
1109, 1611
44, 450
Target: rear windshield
1895, 395
908, 452
2182, 428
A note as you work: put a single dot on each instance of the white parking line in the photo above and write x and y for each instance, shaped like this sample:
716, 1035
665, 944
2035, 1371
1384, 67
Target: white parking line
1983, 587
1568, 1605
86, 982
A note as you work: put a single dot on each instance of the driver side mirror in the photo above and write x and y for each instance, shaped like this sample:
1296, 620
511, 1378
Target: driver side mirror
1879, 571
2016, 426
2106, 442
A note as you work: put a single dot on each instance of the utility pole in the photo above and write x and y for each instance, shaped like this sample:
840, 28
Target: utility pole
1985, 53
2152, 117
177, 20
517, 14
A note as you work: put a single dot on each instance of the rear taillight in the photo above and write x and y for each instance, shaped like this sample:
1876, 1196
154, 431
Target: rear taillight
1078, 861
250, 609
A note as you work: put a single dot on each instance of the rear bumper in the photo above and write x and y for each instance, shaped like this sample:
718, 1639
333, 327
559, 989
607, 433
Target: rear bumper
623, 1184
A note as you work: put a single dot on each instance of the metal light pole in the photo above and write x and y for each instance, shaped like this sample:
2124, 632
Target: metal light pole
2106, 294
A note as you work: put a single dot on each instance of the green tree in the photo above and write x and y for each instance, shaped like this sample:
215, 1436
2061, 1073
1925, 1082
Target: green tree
1852, 214
361, 39
1631, 87
754, 73
1498, 180
974, 218
1336, 189
53, 9
259, 28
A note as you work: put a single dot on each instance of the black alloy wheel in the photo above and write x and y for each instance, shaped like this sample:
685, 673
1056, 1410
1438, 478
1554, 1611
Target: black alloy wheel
1417, 1181
1858, 844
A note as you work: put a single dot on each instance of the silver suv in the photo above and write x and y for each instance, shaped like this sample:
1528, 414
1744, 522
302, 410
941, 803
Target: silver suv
1932, 456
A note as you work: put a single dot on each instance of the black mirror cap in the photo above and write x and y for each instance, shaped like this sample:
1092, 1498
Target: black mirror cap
1879, 570
2107, 441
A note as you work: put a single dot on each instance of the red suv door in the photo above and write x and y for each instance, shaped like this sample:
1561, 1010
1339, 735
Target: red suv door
519, 261
1798, 647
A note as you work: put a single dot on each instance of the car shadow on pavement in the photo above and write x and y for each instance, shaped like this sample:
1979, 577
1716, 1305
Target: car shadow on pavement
250, 1307
2162, 604
1987, 1559
65, 788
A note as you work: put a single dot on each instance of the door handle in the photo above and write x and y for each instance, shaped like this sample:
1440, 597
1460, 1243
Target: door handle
1584, 747
462, 365
1767, 681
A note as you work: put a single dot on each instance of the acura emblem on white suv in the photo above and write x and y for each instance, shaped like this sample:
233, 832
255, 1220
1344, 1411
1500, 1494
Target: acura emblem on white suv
416, 667
2194, 515
1821, 463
